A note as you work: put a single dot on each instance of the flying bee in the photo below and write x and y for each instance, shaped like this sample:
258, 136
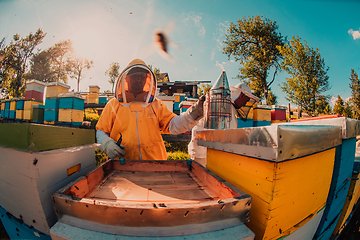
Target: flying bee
161, 43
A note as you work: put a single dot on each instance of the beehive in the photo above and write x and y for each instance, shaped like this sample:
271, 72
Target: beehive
28, 109
54, 89
71, 109
12, 111
35, 90
38, 113
261, 115
278, 114
2, 109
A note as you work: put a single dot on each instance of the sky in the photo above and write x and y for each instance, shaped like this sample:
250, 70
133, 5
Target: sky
119, 31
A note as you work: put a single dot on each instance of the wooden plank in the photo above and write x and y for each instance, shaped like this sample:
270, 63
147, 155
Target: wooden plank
38, 137
301, 188
151, 166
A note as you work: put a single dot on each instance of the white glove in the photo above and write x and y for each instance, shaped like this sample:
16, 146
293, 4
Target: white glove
196, 111
109, 146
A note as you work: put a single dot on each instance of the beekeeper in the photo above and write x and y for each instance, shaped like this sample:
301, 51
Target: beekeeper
241, 102
136, 116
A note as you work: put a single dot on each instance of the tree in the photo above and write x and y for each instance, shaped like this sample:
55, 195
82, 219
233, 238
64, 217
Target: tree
355, 94
271, 98
76, 68
60, 56
253, 42
347, 110
40, 67
15, 63
308, 75
339, 106
323, 105
114, 73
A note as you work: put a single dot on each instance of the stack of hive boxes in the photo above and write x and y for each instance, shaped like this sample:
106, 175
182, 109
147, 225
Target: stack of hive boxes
51, 112
261, 115
2, 109
185, 105
248, 122
179, 97
19, 109
71, 109
35, 90
93, 94
103, 99
278, 114
6, 108
34, 95
12, 111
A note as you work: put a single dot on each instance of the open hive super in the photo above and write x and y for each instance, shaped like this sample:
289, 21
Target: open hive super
151, 198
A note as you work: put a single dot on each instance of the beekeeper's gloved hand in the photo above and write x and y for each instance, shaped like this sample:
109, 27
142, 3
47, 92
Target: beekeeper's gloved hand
196, 110
109, 146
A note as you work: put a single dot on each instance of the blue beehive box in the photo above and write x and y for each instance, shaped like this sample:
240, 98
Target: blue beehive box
51, 115
20, 105
261, 123
12, 114
51, 103
71, 103
103, 99
246, 124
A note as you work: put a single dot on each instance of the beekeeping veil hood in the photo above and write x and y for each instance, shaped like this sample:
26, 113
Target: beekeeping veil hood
137, 82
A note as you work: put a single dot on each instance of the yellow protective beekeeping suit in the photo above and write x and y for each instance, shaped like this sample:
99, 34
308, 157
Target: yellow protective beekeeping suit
137, 115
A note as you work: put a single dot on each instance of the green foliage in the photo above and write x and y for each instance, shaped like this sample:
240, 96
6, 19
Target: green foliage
100, 156
254, 43
177, 150
15, 62
92, 116
271, 98
323, 106
178, 155
355, 94
308, 76
339, 106
76, 67
113, 73
347, 110
59, 57
203, 88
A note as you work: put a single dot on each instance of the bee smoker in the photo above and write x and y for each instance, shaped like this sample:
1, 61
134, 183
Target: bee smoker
218, 114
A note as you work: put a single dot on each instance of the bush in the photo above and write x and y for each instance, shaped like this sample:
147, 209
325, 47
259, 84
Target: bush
92, 116
100, 156
178, 155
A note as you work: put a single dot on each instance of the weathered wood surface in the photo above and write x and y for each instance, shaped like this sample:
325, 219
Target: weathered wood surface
27, 181
38, 137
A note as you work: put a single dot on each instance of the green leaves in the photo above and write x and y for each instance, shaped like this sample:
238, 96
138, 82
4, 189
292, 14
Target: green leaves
308, 77
254, 42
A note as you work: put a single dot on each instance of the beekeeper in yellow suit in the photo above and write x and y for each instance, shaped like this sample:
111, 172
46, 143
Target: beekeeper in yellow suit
136, 116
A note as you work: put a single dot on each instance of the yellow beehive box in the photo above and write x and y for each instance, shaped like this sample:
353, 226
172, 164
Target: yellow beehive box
28, 104
28, 114
94, 89
19, 114
71, 115
54, 89
13, 104
262, 113
93, 98
2, 105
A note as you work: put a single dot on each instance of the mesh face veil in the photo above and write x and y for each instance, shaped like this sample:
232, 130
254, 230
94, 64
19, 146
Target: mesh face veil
136, 83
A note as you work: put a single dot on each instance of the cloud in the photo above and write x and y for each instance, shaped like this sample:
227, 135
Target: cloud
333, 101
196, 18
355, 34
